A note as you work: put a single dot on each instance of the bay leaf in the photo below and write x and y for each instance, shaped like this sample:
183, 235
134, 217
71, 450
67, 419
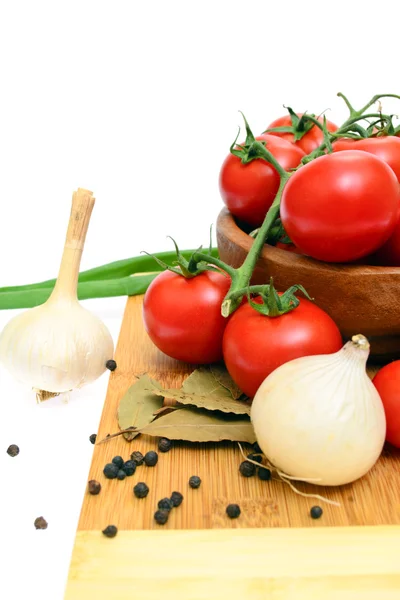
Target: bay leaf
221, 374
199, 425
205, 394
137, 407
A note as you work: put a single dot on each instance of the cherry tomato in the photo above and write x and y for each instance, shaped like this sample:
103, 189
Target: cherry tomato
341, 206
387, 148
248, 190
387, 382
254, 345
310, 140
183, 316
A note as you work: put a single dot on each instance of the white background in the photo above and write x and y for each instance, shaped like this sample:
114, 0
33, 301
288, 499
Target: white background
138, 102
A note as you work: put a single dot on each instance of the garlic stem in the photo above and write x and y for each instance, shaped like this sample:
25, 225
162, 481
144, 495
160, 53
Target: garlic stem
67, 280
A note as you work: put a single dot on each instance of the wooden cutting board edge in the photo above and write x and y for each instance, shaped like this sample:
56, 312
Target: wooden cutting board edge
269, 564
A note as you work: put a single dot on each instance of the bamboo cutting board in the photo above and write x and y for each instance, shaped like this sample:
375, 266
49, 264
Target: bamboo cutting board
273, 550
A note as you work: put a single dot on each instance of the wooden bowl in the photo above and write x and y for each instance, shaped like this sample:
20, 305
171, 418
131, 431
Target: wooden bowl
360, 298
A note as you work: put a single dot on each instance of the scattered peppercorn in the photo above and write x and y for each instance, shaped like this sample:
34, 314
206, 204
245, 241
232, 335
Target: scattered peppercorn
13, 450
129, 467
119, 461
151, 458
94, 487
110, 531
93, 438
164, 444
111, 471
40, 523
316, 512
194, 481
165, 504
233, 511
111, 365
255, 457
161, 516
176, 498
264, 474
247, 469
141, 490
137, 457
121, 475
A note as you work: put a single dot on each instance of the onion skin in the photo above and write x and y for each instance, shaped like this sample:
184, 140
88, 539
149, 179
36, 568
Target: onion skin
321, 418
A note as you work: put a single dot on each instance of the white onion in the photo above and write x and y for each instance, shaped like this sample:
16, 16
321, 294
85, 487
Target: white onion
320, 417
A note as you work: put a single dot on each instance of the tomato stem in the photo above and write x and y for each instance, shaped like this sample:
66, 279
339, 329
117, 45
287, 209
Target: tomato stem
243, 274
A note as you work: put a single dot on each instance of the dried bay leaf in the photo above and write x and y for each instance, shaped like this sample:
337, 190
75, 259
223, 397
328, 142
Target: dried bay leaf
217, 398
137, 407
221, 374
199, 425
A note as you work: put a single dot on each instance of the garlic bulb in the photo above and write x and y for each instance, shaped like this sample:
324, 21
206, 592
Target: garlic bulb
60, 346
320, 418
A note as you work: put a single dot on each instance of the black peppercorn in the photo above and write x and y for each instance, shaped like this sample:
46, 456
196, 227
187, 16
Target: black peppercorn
233, 511
137, 457
129, 467
247, 469
316, 512
119, 461
111, 365
176, 498
264, 474
40, 523
151, 458
94, 487
93, 438
255, 457
141, 490
164, 445
13, 450
110, 471
161, 516
165, 504
121, 475
110, 531
194, 481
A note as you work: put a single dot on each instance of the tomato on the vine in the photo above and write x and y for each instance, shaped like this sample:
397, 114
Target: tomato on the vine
341, 206
248, 190
183, 315
254, 345
387, 148
288, 247
310, 140
387, 382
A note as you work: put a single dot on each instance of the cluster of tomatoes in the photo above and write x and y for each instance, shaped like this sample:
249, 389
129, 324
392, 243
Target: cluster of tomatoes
340, 207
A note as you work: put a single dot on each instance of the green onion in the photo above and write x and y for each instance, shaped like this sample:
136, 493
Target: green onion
119, 278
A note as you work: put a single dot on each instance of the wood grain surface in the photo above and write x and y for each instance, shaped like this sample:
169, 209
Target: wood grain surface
374, 500
274, 550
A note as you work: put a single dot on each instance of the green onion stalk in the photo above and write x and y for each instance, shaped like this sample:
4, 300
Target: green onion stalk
132, 276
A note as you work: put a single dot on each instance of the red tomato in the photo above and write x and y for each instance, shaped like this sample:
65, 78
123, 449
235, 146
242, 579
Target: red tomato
387, 148
248, 190
387, 382
388, 255
310, 140
183, 316
255, 345
341, 206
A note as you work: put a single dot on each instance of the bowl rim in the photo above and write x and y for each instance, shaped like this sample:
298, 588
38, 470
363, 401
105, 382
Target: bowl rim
226, 223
